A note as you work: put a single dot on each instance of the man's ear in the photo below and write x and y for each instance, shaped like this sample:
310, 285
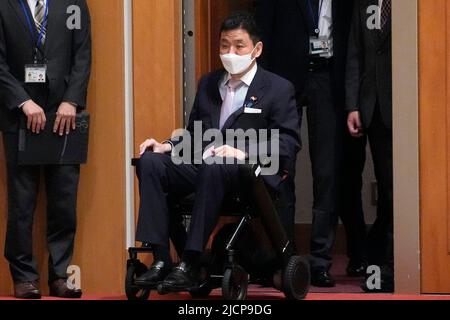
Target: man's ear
259, 49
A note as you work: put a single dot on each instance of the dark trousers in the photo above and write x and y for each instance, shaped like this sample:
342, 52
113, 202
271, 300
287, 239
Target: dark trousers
61, 184
325, 143
380, 240
160, 180
351, 211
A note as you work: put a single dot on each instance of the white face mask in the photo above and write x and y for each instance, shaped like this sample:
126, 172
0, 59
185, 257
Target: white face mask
236, 64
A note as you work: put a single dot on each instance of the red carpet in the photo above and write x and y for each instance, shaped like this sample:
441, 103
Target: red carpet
256, 293
346, 289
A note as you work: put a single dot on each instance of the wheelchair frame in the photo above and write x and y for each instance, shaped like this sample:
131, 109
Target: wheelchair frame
293, 281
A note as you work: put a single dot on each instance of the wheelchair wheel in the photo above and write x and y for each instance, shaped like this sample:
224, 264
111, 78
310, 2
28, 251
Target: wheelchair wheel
296, 278
134, 292
235, 283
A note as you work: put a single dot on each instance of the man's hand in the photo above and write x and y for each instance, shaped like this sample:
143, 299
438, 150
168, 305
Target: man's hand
35, 116
155, 146
65, 118
228, 152
354, 124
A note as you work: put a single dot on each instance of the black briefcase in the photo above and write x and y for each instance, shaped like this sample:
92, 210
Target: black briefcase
48, 148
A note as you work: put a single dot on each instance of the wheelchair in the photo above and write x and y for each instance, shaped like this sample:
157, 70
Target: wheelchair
223, 265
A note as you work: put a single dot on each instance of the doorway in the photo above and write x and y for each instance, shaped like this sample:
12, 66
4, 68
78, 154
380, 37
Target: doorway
205, 17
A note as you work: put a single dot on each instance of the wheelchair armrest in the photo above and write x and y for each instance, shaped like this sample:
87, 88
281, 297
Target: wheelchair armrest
249, 171
252, 171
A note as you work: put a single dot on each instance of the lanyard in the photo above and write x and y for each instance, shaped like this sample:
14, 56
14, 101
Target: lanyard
313, 16
30, 26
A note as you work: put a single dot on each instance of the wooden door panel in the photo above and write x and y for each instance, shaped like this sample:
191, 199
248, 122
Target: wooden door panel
209, 17
434, 68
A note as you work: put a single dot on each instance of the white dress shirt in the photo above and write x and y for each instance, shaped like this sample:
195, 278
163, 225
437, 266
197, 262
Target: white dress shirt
32, 4
241, 91
326, 24
239, 95
380, 10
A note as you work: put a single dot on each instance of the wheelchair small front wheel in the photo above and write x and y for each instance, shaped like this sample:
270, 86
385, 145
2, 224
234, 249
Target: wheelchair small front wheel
133, 291
235, 283
296, 278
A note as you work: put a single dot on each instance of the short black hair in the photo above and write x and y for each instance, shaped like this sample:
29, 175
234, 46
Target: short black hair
242, 20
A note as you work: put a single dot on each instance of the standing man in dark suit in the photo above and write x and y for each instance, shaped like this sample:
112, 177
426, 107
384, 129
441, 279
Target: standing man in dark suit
245, 96
45, 61
369, 103
306, 42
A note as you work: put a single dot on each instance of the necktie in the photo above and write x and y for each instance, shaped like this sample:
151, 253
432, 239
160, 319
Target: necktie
227, 106
385, 14
39, 17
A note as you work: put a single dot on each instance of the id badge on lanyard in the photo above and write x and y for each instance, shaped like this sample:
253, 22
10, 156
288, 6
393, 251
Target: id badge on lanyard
35, 72
318, 45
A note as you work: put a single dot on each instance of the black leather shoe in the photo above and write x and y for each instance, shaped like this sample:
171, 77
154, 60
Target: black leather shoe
182, 278
356, 268
322, 279
27, 290
59, 288
156, 273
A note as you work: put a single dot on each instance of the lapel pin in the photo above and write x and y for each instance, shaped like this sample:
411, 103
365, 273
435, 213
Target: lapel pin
252, 102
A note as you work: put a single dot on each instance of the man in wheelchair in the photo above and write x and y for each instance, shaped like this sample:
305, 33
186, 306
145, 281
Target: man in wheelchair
242, 97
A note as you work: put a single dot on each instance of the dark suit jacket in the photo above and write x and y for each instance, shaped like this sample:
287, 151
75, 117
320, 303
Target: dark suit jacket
287, 26
369, 68
68, 55
275, 97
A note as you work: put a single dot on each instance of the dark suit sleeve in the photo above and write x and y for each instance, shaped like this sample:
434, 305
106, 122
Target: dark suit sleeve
284, 117
12, 92
265, 16
354, 56
81, 60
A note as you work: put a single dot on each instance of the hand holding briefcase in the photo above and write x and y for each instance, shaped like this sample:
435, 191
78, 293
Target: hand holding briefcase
48, 148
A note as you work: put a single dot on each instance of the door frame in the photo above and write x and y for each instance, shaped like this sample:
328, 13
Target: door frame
406, 146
